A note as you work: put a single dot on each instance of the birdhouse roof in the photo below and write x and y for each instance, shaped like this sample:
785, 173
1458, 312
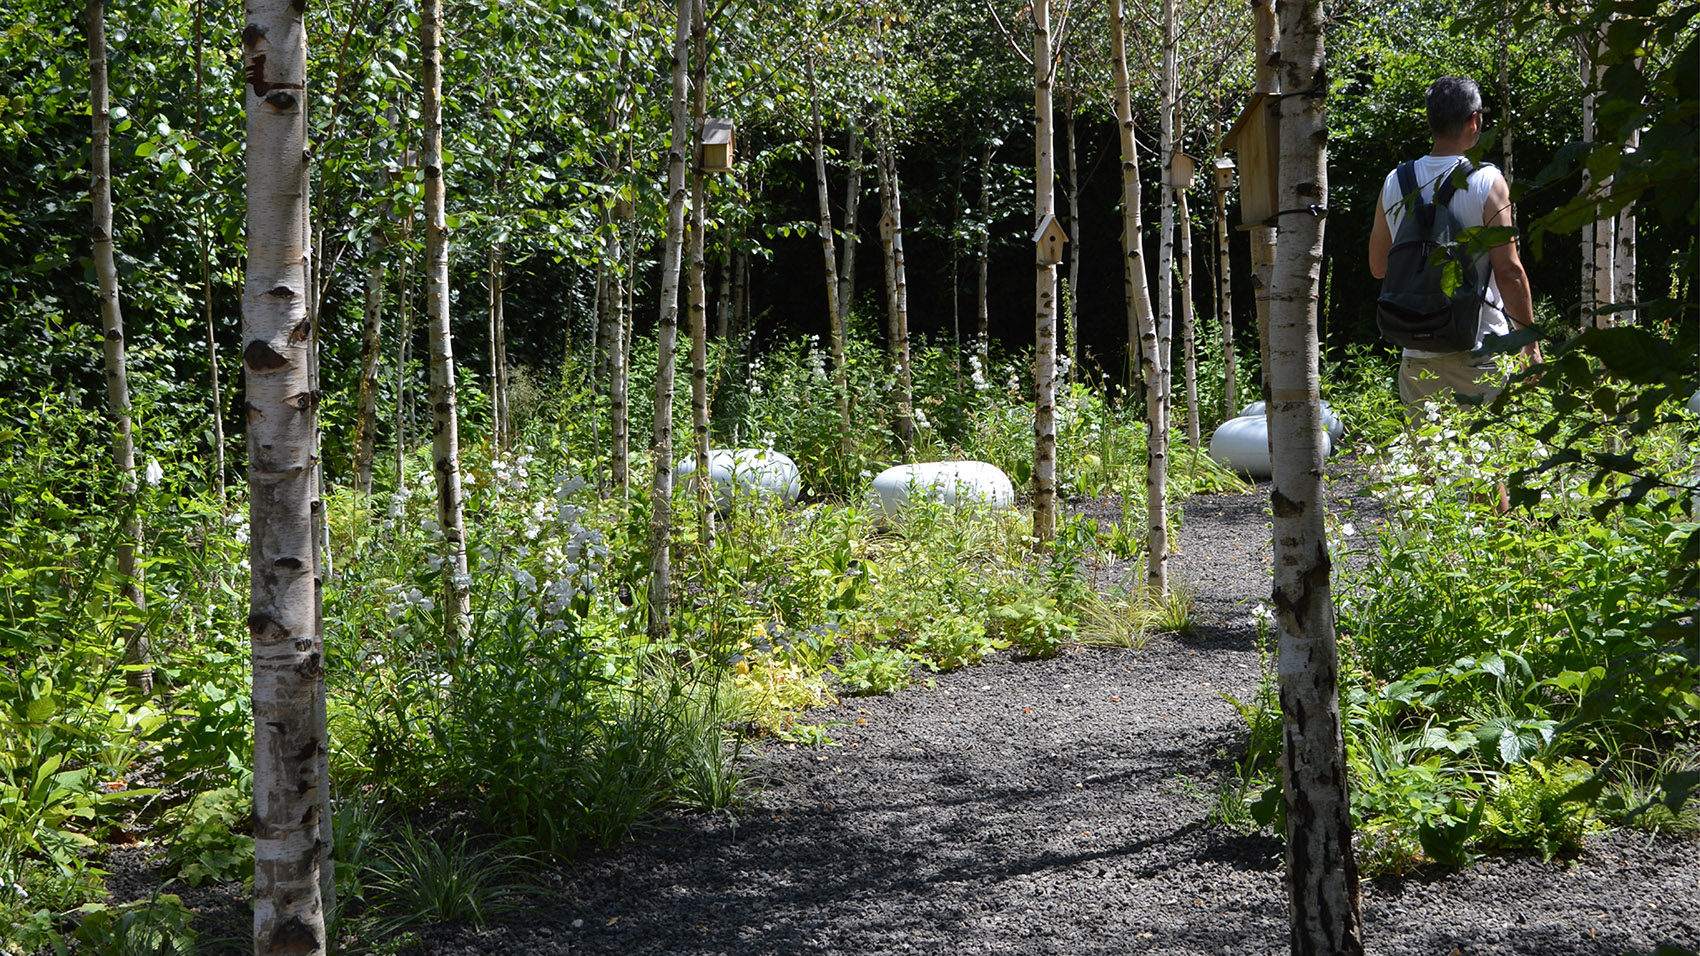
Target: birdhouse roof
716, 131
1247, 115
1051, 229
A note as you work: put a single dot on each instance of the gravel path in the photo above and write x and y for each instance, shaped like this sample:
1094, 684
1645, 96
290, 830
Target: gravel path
1060, 807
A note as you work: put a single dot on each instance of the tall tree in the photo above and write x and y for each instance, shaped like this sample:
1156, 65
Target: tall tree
896, 281
1045, 285
667, 335
445, 427
1142, 324
834, 305
852, 206
1224, 295
1265, 43
696, 289
1189, 330
1322, 878
283, 617
136, 651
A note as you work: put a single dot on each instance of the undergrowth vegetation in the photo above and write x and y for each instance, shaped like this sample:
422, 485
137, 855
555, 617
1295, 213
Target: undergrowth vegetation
463, 765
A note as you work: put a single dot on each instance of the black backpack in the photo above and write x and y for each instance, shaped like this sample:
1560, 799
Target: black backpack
1415, 309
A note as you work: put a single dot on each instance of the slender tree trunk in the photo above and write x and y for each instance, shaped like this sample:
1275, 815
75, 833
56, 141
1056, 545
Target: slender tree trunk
1599, 238
1189, 330
982, 309
136, 649
896, 287
740, 293
216, 398
1044, 288
1322, 878
1263, 237
499, 435
1624, 256
371, 342
829, 252
1225, 303
1507, 101
723, 293
619, 427
445, 426
283, 617
852, 206
1142, 325
403, 350
1071, 305
1166, 145
667, 336
697, 291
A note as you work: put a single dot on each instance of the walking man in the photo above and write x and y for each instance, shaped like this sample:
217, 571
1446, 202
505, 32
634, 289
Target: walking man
1456, 118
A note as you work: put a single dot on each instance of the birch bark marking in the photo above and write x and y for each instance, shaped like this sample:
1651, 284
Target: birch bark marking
1044, 289
1142, 325
834, 305
445, 428
136, 650
667, 339
282, 413
1322, 881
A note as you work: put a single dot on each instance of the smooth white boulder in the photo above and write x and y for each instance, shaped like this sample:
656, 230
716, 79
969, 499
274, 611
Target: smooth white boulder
1336, 427
1694, 402
948, 482
1242, 444
745, 471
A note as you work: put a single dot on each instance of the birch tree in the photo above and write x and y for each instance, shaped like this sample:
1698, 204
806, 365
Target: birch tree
290, 831
1142, 325
829, 252
852, 206
667, 336
1045, 286
896, 282
696, 290
136, 651
445, 429
1322, 879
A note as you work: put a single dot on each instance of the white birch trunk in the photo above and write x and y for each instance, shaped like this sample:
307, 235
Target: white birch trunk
852, 206
982, 307
445, 425
288, 668
1044, 289
696, 288
1142, 325
1263, 237
136, 649
896, 288
1624, 269
1322, 879
615, 345
371, 341
1225, 305
1189, 330
667, 337
1071, 307
829, 252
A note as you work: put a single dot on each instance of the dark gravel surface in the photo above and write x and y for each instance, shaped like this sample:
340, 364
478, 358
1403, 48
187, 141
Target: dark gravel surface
1060, 807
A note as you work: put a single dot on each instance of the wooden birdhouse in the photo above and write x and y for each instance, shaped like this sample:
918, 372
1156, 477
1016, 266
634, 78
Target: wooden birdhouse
1050, 239
888, 227
717, 142
1178, 174
1256, 138
1222, 175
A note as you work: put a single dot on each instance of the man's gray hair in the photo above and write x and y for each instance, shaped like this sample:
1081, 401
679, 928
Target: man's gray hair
1451, 100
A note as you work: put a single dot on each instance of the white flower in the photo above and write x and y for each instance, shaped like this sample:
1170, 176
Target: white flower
153, 474
1347, 530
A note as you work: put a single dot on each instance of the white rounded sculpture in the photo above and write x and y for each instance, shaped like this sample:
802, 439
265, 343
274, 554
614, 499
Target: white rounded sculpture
745, 471
1336, 428
1694, 402
1242, 444
948, 482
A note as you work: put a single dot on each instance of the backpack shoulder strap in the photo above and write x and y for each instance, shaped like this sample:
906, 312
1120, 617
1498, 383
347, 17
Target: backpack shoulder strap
1449, 183
1407, 174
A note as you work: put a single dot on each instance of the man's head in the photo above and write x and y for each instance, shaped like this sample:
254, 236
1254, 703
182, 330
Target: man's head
1452, 101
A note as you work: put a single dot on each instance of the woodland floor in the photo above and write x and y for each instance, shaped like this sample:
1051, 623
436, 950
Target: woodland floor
1061, 807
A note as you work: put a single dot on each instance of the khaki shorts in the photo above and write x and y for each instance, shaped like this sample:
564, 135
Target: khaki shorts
1471, 379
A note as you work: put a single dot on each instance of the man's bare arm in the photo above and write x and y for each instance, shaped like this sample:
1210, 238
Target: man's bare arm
1380, 243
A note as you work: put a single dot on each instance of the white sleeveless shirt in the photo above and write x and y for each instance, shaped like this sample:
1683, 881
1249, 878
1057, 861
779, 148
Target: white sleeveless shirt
1468, 208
